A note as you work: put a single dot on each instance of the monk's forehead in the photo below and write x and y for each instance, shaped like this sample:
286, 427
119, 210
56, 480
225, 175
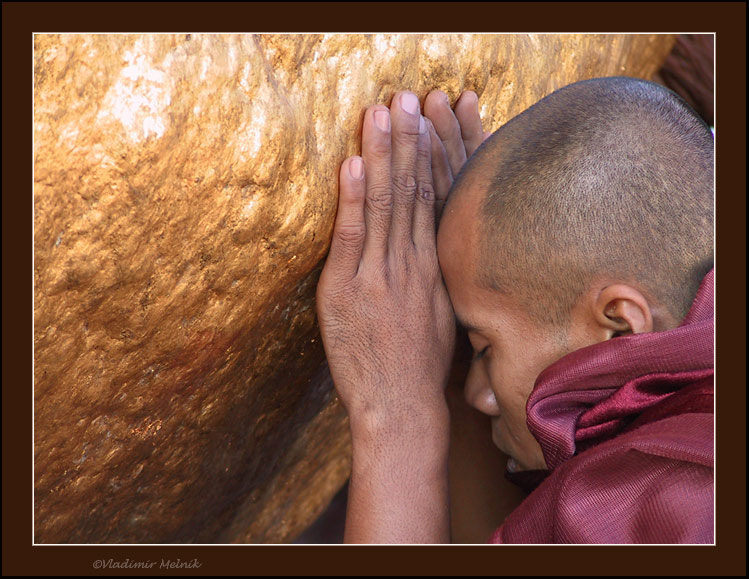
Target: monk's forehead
459, 231
465, 204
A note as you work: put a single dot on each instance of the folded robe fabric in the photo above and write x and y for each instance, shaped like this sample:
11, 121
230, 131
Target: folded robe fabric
626, 428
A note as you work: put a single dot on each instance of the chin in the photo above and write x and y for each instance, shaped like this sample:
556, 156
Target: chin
498, 443
513, 465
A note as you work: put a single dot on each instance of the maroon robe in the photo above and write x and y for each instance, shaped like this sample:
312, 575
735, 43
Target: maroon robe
626, 428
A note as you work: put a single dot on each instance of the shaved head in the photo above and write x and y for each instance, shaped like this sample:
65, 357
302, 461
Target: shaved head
603, 179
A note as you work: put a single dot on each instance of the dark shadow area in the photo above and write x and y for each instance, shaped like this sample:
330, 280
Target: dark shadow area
328, 528
688, 71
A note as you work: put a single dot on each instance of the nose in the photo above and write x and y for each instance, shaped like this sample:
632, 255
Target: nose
478, 392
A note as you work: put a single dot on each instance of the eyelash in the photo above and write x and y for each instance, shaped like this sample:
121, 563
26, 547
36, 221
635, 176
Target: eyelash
480, 354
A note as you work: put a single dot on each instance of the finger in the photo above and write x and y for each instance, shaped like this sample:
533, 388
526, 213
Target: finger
467, 113
442, 175
487, 134
424, 231
349, 231
406, 116
437, 108
376, 151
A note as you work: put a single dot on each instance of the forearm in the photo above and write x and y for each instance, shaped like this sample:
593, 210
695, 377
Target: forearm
388, 328
399, 483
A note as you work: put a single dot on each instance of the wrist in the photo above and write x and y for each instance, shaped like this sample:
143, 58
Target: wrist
413, 428
399, 478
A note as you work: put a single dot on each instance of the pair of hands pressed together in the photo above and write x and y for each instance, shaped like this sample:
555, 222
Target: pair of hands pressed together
385, 317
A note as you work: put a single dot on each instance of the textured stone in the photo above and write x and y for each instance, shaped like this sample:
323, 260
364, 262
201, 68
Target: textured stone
184, 196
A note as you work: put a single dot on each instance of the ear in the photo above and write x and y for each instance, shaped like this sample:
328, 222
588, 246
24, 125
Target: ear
621, 309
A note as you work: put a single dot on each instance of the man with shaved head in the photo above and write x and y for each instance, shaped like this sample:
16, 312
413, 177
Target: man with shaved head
575, 248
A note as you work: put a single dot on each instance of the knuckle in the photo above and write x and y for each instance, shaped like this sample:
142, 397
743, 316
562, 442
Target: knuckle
404, 183
426, 192
379, 198
406, 138
351, 233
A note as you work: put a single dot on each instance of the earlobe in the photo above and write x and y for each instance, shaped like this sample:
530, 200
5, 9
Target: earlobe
623, 310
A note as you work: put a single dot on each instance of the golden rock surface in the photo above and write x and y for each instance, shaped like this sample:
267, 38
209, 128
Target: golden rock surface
184, 196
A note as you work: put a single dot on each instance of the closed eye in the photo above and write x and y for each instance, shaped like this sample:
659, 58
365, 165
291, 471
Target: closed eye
480, 354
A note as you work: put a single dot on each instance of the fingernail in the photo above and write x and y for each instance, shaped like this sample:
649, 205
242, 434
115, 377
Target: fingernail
410, 103
422, 125
382, 120
356, 168
472, 96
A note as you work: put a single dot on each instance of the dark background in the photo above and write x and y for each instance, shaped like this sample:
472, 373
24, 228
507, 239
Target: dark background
728, 19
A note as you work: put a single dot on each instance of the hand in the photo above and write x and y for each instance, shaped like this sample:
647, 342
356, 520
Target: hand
454, 137
385, 317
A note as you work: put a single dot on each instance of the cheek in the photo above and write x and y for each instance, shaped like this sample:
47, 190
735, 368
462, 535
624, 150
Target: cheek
510, 388
511, 435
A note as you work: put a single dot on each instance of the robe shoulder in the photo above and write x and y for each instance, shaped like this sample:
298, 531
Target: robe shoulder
653, 485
